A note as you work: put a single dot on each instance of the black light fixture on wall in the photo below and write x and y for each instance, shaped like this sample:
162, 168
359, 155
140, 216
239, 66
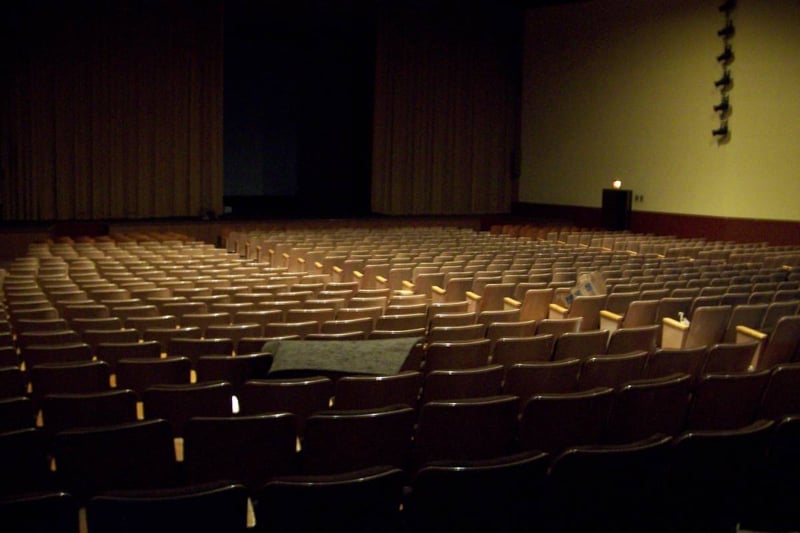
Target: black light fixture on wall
725, 83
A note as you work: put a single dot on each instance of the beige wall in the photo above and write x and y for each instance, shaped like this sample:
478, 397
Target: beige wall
625, 89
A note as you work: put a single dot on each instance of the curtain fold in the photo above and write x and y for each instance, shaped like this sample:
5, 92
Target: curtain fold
113, 113
446, 107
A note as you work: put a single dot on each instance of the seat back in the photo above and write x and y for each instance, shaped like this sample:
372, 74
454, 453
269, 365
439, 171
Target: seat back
608, 487
299, 396
343, 441
580, 344
511, 350
749, 315
364, 500
138, 455
667, 361
646, 407
492, 494
711, 466
707, 326
76, 410
456, 355
456, 333
460, 430
780, 395
141, 374
554, 422
630, 339
728, 358
247, 449
369, 392
726, 401
236, 370
459, 384
783, 344
178, 403
529, 379
79, 377
611, 370
221, 506
588, 307
558, 326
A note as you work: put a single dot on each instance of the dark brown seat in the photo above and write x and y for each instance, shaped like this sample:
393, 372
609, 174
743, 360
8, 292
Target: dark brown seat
369, 392
138, 455
608, 487
463, 383
78, 377
456, 355
364, 500
611, 370
299, 396
217, 506
112, 352
580, 344
141, 374
726, 401
480, 428
528, 379
74, 410
246, 449
646, 407
499, 494
235, 369
554, 422
178, 403
340, 441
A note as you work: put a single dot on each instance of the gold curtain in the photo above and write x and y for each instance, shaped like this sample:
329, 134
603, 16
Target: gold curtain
446, 107
115, 113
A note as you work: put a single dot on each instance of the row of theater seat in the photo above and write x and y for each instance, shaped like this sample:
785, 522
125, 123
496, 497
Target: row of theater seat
697, 481
577, 367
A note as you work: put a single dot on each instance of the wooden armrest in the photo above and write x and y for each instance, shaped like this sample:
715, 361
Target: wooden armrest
301, 260
610, 320
381, 280
673, 333
408, 285
318, 265
749, 334
557, 311
510, 303
438, 294
285, 255
473, 301
336, 273
358, 274
746, 335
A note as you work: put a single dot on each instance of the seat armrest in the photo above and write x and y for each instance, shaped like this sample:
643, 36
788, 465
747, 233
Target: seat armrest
473, 301
336, 272
610, 320
408, 285
359, 277
557, 311
438, 294
747, 335
673, 333
510, 303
